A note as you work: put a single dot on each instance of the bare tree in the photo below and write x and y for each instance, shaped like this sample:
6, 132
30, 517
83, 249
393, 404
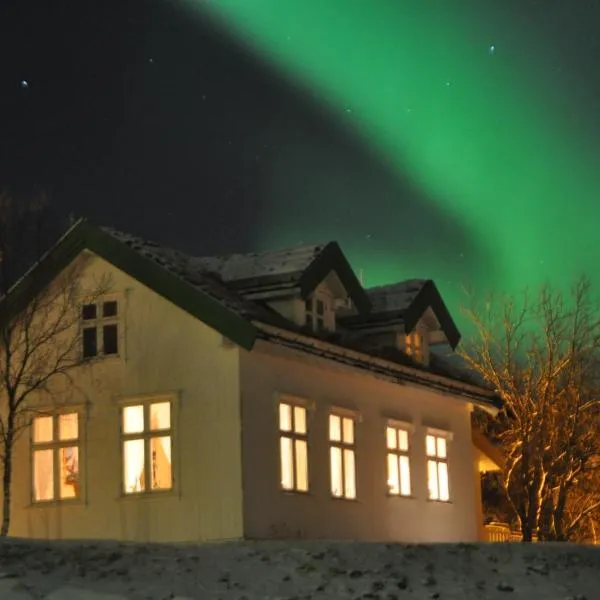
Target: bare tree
543, 358
40, 331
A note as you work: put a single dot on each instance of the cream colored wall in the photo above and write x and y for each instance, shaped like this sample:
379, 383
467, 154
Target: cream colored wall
163, 351
269, 512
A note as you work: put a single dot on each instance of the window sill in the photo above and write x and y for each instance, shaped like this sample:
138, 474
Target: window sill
344, 499
285, 492
144, 496
400, 497
67, 502
434, 501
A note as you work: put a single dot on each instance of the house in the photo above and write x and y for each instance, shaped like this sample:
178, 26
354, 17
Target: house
250, 396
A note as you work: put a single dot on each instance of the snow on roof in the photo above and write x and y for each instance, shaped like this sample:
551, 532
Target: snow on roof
186, 268
395, 296
285, 262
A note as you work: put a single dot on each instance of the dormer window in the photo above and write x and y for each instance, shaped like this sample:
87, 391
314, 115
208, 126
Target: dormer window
413, 345
315, 313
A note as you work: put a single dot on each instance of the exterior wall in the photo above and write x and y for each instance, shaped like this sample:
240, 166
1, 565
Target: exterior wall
267, 372
165, 351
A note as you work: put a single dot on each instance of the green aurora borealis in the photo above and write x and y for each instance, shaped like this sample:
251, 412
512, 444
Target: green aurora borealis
463, 102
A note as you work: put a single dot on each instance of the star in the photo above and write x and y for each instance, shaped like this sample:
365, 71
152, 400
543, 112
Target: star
24, 84
492, 49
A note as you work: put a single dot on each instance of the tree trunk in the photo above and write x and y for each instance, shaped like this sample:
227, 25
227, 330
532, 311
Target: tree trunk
7, 476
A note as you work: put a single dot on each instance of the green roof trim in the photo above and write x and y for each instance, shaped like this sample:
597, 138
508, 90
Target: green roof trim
84, 236
331, 258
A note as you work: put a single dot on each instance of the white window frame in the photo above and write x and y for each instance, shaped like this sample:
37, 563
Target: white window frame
296, 438
147, 435
347, 449
98, 323
56, 445
438, 461
312, 317
400, 456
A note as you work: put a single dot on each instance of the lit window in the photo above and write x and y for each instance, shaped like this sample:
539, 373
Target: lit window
55, 457
342, 457
100, 335
413, 345
437, 467
398, 463
147, 447
315, 313
293, 444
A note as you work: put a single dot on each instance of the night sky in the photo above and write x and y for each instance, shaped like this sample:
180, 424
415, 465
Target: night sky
457, 140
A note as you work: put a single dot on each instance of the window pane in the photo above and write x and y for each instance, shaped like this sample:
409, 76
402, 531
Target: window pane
441, 447
42, 430
43, 475
133, 466
390, 435
110, 343
337, 488
88, 312
90, 342
299, 419
432, 480
68, 426
430, 442
348, 426
133, 419
320, 324
160, 415
443, 479
69, 472
392, 469
109, 309
285, 417
404, 476
320, 308
287, 463
301, 466
403, 440
335, 432
160, 463
349, 474
309, 321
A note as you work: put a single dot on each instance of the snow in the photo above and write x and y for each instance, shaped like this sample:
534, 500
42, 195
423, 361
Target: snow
299, 570
396, 296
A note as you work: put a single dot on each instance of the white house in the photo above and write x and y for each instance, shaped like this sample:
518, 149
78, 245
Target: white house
251, 396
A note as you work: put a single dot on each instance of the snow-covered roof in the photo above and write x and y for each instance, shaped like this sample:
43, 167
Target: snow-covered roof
189, 270
396, 296
286, 263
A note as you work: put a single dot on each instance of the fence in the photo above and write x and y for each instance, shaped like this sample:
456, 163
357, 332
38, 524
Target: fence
501, 532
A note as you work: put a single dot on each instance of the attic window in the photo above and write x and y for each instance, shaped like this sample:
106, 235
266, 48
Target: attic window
413, 345
315, 313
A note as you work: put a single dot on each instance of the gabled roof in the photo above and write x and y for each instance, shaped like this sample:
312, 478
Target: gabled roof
167, 272
302, 267
405, 303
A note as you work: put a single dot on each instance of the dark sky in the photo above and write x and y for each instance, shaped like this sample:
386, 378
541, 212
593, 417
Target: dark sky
152, 117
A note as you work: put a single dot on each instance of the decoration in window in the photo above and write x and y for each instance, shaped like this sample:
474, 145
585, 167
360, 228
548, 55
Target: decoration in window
55, 457
147, 447
413, 345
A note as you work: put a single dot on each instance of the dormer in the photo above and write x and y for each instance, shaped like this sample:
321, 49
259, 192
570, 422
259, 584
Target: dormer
409, 316
307, 285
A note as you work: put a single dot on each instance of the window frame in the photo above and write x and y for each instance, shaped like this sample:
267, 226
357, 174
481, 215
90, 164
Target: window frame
414, 345
147, 435
294, 436
98, 323
344, 447
312, 317
436, 459
398, 453
55, 445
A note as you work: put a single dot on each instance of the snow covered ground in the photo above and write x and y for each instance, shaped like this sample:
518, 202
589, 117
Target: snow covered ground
296, 570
